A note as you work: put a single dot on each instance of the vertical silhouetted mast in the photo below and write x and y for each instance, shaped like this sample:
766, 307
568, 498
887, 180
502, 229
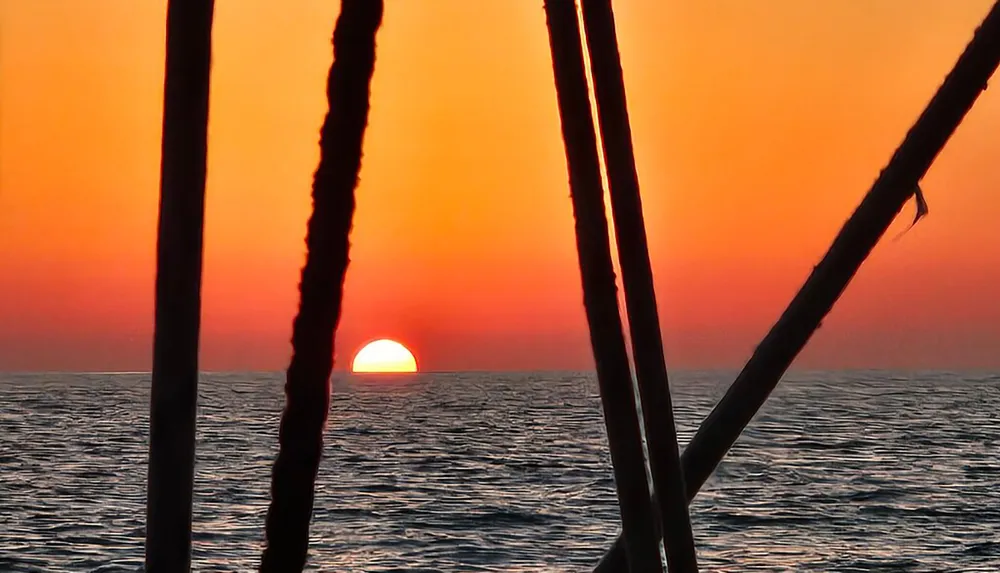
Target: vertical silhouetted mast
307, 386
599, 289
174, 392
637, 280
855, 241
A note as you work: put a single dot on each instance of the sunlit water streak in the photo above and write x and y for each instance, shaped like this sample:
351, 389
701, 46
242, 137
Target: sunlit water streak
862, 471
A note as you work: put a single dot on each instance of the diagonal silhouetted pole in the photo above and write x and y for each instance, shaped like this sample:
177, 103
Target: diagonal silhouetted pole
177, 316
307, 385
599, 290
637, 279
855, 241
830, 277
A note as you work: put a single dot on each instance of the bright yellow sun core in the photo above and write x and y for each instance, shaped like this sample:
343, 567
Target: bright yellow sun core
384, 356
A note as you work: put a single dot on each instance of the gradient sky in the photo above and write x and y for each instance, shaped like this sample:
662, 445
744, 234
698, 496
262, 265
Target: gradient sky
758, 127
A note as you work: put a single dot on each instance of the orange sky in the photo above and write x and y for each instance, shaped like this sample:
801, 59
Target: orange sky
758, 127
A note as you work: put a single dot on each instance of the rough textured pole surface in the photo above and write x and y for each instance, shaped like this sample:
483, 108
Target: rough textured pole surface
307, 386
637, 279
599, 289
174, 392
831, 276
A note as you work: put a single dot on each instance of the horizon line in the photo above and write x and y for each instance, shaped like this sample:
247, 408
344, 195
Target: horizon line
517, 371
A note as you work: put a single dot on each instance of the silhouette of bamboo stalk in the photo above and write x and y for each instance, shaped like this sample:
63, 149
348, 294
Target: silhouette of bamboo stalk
599, 289
637, 279
307, 386
830, 277
177, 315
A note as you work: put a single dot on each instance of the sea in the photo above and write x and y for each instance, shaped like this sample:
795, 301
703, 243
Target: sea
841, 471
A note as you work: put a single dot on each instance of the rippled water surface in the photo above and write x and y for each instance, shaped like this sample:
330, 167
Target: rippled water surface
864, 471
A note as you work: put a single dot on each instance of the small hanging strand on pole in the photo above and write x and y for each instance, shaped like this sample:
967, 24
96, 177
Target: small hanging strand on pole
307, 385
599, 289
177, 315
855, 241
637, 279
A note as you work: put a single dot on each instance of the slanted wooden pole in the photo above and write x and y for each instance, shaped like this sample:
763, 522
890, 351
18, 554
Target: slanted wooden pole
177, 316
599, 289
307, 386
637, 279
855, 241
831, 276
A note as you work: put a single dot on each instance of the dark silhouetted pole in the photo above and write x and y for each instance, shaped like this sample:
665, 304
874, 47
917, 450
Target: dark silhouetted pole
599, 289
637, 279
830, 277
307, 385
174, 392
894, 186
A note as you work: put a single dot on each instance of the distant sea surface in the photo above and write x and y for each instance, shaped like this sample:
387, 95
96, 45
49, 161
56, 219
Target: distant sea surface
849, 471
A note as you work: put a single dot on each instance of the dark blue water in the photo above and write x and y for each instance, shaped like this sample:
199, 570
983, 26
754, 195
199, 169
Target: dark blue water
862, 471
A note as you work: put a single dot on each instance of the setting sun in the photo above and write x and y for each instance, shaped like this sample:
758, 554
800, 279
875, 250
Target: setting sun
384, 356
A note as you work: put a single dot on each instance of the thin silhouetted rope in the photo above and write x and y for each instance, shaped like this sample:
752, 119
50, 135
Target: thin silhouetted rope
174, 392
307, 386
599, 289
637, 280
855, 241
